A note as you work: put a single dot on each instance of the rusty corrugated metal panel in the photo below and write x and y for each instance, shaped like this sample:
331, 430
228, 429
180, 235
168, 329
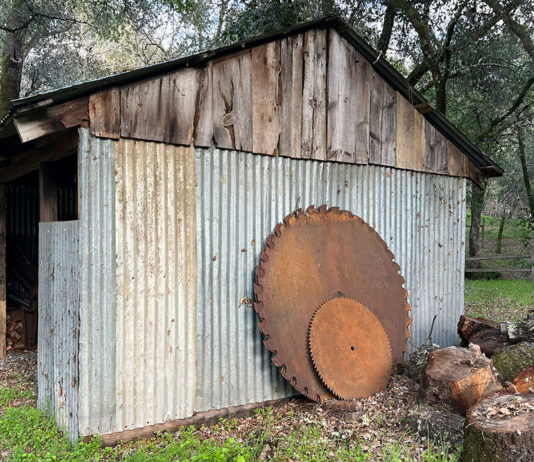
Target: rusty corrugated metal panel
57, 376
241, 197
97, 284
156, 283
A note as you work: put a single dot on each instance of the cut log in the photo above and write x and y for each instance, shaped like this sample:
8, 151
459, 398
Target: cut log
467, 327
491, 341
524, 381
436, 425
519, 331
459, 378
513, 360
500, 429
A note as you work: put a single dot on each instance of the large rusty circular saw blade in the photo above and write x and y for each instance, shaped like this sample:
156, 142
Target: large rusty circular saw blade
350, 349
311, 257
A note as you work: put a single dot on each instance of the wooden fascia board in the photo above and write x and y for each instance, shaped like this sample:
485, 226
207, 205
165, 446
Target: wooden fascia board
36, 124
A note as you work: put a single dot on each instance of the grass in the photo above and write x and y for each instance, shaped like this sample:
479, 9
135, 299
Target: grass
499, 300
513, 229
8, 395
26, 434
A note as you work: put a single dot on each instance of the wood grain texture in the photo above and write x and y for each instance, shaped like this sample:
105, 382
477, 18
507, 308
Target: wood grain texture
348, 102
455, 160
35, 124
203, 120
266, 98
435, 150
161, 109
382, 122
104, 113
363, 108
3, 280
410, 136
232, 102
314, 96
292, 65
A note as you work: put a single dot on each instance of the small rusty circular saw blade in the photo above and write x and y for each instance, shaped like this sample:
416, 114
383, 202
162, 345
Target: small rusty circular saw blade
350, 349
312, 256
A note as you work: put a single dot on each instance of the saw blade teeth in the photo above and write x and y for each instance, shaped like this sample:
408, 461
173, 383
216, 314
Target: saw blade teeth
312, 215
310, 349
290, 220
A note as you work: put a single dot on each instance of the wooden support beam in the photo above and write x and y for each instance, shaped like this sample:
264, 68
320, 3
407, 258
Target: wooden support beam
36, 124
59, 146
48, 192
3, 298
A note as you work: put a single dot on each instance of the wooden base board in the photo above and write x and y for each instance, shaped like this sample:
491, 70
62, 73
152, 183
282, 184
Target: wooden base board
196, 420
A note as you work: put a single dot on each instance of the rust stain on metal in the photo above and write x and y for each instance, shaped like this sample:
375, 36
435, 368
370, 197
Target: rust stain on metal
311, 257
350, 349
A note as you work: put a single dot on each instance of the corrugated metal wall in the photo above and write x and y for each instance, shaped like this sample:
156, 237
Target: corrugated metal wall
97, 284
59, 304
241, 197
156, 283
154, 345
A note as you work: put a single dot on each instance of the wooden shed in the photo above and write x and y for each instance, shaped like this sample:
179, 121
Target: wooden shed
155, 189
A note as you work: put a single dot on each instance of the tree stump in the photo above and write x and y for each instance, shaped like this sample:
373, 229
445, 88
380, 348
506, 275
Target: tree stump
437, 425
459, 378
513, 360
500, 429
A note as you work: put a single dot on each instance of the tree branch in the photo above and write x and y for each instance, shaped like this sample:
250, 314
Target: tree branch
520, 30
387, 28
517, 102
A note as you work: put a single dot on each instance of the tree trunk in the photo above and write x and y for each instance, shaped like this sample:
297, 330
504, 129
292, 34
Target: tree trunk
477, 204
500, 429
441, 96
387, 28
467, 327
11, 61
526, 177
499, 235
513, 360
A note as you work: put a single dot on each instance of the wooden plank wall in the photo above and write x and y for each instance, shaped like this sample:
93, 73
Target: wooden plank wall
309, 96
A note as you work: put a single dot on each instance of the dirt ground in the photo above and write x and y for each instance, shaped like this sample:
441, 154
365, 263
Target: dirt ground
378, 425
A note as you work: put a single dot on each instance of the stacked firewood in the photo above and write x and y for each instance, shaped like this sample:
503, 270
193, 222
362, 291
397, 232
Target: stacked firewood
15, 330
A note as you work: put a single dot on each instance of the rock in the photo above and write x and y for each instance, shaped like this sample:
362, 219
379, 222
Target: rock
500, 429
458, 378
434, 424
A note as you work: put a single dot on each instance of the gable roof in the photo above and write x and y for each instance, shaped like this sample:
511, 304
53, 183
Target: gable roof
394, 78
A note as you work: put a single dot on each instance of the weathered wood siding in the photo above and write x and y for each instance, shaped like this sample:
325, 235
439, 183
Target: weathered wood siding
306, 96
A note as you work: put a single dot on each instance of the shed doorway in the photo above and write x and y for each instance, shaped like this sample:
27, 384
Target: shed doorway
47, 194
